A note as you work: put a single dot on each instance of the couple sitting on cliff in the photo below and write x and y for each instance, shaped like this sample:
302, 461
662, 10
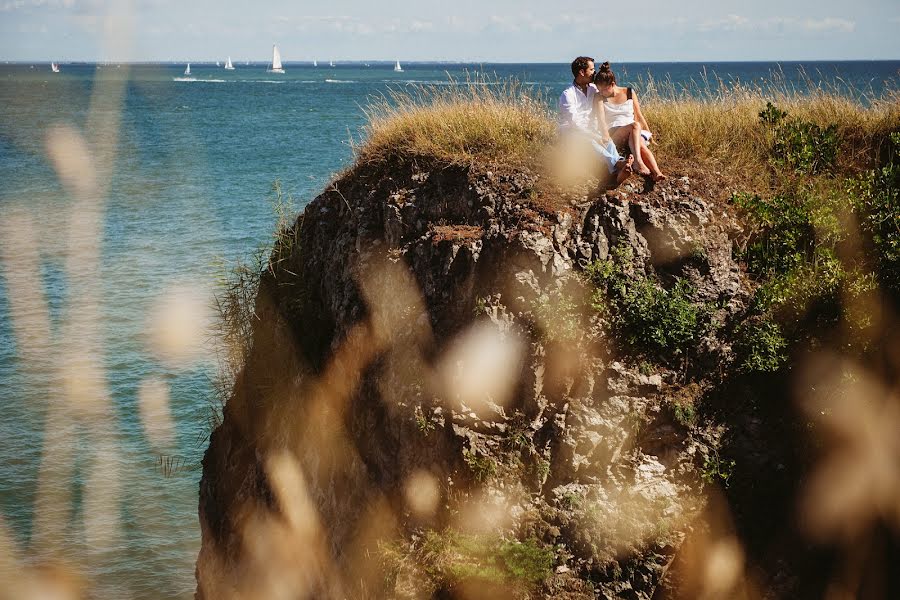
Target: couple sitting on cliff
596, 110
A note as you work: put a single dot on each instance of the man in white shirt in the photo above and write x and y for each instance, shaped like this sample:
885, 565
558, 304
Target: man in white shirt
577, 118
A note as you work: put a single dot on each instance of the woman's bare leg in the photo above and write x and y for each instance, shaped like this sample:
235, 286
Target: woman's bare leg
632, 135
619, 135
634, 141
650, 160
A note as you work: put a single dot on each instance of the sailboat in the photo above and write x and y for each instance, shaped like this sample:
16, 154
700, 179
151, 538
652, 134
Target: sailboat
187, 71
217, 63
228, 65
315, 63
54, 67
398, 68
276, 61
330, 63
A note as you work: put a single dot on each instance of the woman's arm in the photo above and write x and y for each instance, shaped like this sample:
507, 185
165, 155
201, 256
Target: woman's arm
638, 115
600, 118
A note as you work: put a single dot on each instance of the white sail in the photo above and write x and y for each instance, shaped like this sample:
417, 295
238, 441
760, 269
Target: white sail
217, 63
398, 68
276, 60
330, 63
315, 63
54, 67
228, 65
187, 71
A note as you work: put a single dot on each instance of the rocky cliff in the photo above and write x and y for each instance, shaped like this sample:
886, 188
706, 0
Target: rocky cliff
443, 397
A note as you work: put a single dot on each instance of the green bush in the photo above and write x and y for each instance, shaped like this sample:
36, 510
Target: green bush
810, 276
526, 561
878, 204
482, 467
661, 323
798, 145
716, 469
793, 254
685, 413
559, 317
793, 228
450, 556
760, 345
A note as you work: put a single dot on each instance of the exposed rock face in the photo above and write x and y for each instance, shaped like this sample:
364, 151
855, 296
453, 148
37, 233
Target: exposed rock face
410, 363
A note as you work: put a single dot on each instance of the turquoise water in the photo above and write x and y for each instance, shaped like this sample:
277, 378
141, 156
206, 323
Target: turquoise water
194, 162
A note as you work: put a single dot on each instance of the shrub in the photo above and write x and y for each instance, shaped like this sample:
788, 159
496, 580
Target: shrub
799, 145
650, 319
424, 424
716, 469
799, 225
760, 345
451, 556
559, 317
793, 252
526, 561
483, 467
878, 203
685, 414
800, 234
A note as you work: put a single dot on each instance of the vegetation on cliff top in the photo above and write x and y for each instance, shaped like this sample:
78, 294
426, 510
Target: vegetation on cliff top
713, 124
479, 119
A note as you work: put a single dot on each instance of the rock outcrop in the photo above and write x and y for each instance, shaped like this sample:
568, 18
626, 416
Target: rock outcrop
427, 379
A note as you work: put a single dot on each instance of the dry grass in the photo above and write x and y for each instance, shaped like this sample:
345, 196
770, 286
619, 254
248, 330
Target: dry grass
456, 233
711, 124
458, 122
718, 122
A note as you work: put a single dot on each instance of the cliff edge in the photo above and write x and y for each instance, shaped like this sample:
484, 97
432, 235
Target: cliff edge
438, 401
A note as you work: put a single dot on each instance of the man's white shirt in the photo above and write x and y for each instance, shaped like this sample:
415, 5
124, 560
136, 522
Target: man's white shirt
576, 109
576, 116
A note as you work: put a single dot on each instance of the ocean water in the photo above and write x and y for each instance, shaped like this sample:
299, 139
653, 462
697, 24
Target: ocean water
191, 164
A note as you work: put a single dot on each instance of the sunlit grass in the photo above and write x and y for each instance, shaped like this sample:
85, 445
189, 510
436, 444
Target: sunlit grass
719, 121
461, 121
708, 122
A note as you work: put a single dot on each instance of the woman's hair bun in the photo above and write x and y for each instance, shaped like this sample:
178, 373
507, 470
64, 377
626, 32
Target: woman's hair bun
605, 66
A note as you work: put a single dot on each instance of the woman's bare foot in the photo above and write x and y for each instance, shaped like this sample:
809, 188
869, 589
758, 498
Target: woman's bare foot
643, 169
659, 177
623, 169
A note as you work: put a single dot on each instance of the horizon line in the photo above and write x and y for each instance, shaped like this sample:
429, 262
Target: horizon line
437, 61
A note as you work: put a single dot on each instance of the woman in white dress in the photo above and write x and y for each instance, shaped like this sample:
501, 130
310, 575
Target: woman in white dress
625, 121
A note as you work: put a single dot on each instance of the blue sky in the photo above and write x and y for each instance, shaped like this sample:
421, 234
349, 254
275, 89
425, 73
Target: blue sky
478, 30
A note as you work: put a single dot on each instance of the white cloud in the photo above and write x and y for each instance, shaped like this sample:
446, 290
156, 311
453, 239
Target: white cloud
504, 24
416, 26
727, 23
829, 24
88, 5
770, 25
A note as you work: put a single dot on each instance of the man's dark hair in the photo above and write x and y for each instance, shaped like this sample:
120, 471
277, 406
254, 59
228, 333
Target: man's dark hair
580, 64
